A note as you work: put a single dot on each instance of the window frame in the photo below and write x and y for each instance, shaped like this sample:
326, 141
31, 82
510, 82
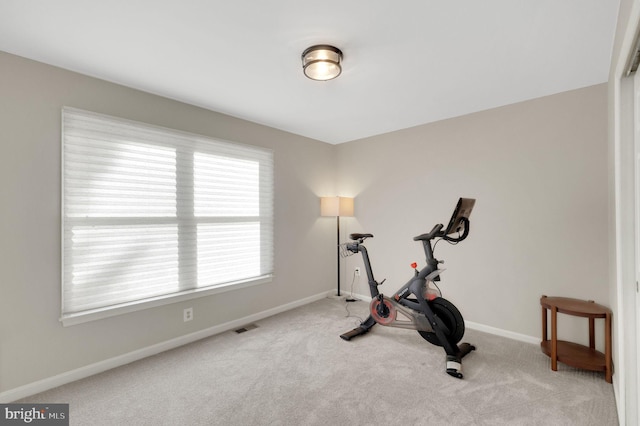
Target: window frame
183, 293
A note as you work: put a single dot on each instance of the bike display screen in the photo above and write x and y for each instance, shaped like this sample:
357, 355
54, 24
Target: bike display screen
462, 210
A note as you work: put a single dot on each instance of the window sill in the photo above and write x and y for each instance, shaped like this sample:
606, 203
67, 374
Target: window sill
111, 311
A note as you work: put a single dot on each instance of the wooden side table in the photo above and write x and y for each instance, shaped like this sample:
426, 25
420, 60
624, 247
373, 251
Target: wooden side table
573, 354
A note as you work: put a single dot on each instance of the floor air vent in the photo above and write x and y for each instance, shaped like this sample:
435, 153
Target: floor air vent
246, 328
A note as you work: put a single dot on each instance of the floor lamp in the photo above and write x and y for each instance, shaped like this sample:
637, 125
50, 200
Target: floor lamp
336, 207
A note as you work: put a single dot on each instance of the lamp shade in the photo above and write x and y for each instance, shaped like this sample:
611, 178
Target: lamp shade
336, 206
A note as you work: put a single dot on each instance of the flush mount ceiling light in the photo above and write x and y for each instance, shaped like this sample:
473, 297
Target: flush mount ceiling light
322, 62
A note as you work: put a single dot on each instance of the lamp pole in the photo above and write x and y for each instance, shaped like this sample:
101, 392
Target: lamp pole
338, 250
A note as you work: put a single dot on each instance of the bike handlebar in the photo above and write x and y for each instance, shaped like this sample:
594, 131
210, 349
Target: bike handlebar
430, 235
437, 232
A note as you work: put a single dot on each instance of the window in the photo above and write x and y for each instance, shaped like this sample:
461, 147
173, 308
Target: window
152, 215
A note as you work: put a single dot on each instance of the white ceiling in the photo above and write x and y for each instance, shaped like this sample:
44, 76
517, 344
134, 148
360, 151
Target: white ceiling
406, 62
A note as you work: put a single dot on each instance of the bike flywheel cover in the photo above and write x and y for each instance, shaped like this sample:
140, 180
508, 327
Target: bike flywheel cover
386, 320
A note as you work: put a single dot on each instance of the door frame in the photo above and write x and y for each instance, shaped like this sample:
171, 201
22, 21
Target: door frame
623, 247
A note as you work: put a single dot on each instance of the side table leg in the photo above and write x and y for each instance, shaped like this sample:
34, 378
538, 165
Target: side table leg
592, 333
544, 324
554, 338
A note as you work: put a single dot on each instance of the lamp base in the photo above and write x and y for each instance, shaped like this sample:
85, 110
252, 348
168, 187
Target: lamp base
342, 296
334, 295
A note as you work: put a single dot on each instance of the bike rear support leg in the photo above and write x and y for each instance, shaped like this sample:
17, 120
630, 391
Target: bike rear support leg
454, 362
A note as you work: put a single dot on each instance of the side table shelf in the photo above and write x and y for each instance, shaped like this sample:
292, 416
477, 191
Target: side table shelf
574, 354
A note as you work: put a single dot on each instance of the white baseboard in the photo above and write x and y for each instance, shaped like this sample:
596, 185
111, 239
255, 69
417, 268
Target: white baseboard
99, 367
500, 332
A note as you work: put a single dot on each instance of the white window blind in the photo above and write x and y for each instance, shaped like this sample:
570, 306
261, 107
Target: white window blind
151, 213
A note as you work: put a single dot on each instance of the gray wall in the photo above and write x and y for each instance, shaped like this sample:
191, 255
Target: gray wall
538, 170
33, 343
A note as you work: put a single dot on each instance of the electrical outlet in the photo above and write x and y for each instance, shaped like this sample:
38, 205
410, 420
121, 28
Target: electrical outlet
187, 314
357, 272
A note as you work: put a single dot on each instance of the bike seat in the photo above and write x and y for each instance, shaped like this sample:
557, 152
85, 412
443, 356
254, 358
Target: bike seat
360, 236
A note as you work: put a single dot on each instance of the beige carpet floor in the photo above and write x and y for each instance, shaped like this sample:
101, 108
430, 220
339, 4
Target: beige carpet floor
293, 369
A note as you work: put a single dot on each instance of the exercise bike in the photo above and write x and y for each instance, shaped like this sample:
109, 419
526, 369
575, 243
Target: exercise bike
419, 301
